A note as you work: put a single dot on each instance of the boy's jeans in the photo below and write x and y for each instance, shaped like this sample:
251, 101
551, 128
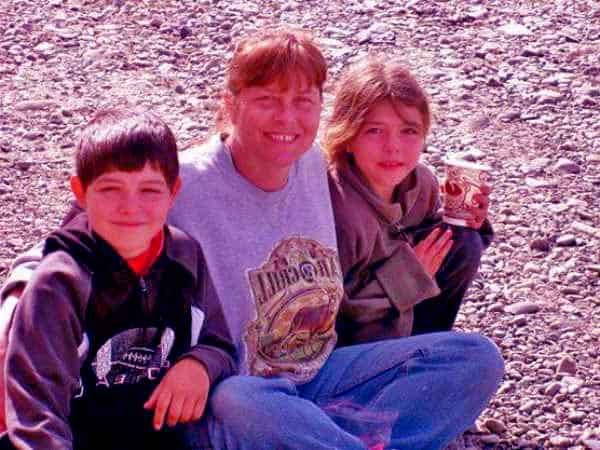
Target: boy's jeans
413, 393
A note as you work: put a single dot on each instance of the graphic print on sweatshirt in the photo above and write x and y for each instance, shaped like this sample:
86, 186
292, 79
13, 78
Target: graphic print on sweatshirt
132, 356
297, 293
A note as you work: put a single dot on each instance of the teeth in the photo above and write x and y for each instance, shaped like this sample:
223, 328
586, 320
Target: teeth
283, 137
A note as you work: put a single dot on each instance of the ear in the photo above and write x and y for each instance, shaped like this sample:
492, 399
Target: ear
78, 190
176, 188
230, 106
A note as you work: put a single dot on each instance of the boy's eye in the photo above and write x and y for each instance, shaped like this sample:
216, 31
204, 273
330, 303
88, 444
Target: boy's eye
108, 189
151, 191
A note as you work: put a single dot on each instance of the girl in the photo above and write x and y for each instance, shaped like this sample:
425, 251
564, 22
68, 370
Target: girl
404, 273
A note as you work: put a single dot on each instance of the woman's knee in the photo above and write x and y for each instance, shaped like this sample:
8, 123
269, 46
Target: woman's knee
484, 358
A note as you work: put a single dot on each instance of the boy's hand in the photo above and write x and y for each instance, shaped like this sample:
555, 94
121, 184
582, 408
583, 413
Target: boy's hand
480, 211
432, 250
181, 395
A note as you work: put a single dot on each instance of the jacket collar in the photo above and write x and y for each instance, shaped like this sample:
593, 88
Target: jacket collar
404, 197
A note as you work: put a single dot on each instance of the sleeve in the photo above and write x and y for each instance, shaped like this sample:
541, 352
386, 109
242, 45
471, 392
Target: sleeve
399, 282
23, 266
42, 366
22, 270
215, 348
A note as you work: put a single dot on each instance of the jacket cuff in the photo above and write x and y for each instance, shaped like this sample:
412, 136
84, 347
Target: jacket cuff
217, 362
404, 279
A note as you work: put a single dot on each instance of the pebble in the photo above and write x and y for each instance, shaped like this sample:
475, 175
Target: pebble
523, 308
577, 416
591, 444
567, 240
490, 439
560, 441
567, 365
542, 245
35, 105
552, 388
495, 426
565, 165
515, 29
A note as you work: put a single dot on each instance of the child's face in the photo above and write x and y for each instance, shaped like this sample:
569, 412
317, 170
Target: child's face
388, 145
127, 209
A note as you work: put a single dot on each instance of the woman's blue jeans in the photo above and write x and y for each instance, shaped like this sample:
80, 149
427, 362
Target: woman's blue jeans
413, 393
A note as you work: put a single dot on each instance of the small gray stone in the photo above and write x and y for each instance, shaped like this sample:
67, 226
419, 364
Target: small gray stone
495, 426
541, 245
519, 321
552, 388
560, 441
489, 439
522, 308
591, 444
567, 240
565, 165
567, 365
528, 406
576, 416
34, 105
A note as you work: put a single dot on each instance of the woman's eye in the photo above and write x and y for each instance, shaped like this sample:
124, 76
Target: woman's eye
108, 189
305, 101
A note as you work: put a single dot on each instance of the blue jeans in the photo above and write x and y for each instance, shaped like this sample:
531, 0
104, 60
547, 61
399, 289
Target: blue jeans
413, 393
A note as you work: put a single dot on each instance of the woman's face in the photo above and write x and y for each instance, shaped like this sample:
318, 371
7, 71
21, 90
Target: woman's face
388, 146
274, 124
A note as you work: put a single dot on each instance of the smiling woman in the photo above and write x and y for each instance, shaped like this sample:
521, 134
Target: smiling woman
272, 104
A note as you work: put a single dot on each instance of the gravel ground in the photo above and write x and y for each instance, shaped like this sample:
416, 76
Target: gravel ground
514, 84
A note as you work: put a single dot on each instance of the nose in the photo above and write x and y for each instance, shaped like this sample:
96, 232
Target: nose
285, 112
126, 203
391, 145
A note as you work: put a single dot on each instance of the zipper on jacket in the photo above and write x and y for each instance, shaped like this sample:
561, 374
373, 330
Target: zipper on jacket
145, 295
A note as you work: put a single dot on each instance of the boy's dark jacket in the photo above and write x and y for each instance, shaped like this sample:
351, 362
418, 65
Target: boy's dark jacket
127, 331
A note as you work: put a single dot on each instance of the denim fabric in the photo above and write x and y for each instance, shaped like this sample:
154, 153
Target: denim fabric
414, 393
454, 278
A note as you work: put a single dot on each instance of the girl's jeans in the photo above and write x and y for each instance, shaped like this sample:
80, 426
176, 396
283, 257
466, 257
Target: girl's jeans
413, 393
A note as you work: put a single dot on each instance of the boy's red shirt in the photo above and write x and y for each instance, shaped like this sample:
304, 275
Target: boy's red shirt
142, 263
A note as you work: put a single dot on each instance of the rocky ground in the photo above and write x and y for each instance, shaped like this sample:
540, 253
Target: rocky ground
514, 84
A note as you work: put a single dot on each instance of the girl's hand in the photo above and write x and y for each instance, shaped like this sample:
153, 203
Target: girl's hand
432, 250
480, 210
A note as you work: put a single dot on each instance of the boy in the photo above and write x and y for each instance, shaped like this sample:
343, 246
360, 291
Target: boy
110, 340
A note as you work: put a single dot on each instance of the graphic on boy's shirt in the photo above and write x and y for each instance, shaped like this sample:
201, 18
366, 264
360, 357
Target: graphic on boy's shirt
132, 356
297, 293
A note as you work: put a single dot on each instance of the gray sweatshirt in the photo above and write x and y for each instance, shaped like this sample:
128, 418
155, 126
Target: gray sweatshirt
272, 257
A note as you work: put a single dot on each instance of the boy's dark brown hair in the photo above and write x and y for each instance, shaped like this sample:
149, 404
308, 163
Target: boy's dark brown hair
366, 83
126, 139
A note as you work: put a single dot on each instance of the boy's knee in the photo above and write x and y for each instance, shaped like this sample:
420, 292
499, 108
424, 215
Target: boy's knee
240, 395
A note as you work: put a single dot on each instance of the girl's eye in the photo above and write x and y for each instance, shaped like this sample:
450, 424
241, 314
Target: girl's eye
410, 131
373, 130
